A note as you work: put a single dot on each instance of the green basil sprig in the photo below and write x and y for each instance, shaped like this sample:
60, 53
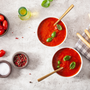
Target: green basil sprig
58, 66
72, 65
50, 0
67, 57
59, 27
46, 3
52, 36
58, 62
49, 39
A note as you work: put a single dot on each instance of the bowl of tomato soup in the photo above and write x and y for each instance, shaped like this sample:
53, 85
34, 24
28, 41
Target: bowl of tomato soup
50, 34
69, 59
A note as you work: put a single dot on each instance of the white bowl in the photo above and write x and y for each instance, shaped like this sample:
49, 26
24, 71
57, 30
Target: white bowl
62, 41
80, 66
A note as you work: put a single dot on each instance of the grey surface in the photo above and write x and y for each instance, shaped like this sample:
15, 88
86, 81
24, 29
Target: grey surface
40, 56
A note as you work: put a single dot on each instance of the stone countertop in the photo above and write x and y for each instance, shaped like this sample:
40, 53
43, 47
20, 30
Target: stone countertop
40, 56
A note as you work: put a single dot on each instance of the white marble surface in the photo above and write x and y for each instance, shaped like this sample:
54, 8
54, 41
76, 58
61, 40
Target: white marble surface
40, 56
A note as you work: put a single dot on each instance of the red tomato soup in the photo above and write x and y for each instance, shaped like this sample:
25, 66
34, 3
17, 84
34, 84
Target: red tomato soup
46, 28
59, 56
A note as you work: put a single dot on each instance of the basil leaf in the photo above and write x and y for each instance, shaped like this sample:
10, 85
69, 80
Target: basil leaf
53, 34
58, 62
58, 66
59, 27
50, 0
67, 58
49, 39
45, 3
72, 65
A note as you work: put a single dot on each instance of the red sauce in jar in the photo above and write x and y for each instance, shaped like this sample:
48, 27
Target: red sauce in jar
46, 28
66, 71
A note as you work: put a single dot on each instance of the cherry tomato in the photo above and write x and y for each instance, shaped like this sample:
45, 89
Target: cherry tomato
1, 17
2, 53
1, 27
0, 23
5, 24
2, 31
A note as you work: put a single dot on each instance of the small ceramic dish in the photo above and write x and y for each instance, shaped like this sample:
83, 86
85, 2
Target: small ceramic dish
6, 70
52, 35
20, 59
69, 59
1, 23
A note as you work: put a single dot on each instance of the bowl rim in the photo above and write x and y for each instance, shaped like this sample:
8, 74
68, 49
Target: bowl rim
4, 76
80, 66
20, 52
64, 38
7, 22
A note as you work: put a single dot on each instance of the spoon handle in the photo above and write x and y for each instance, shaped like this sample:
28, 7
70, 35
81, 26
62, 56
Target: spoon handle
65, 13
49, 74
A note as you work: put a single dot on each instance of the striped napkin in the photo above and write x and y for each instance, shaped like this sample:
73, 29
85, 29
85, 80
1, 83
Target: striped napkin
82, 47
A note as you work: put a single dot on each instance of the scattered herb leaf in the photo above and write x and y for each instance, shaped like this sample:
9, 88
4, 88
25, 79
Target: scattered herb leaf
50, 0
59, 27
53, 34
67, 58
46, 3
72, 65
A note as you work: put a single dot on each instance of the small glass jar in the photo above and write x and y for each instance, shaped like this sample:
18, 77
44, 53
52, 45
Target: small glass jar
24, 14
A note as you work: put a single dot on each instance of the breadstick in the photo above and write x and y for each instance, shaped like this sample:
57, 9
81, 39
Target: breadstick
86, 31
83, 40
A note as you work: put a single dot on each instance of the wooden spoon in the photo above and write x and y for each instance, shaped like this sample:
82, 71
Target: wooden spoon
49, 74
64, 13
